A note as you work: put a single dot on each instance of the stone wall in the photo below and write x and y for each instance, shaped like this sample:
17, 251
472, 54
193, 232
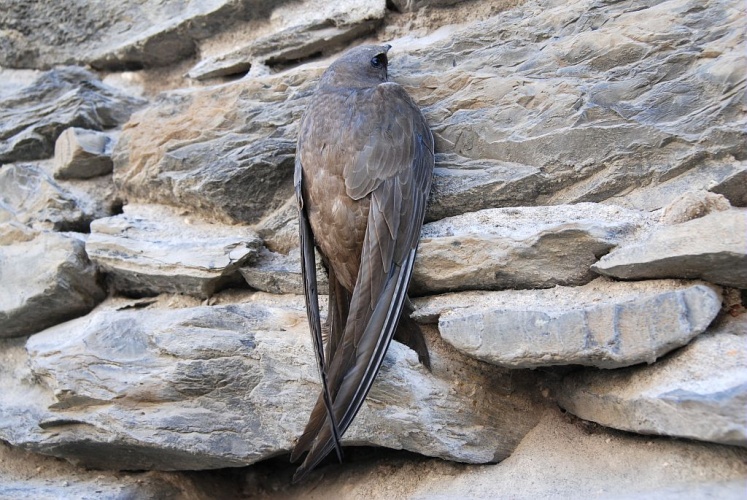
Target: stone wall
580, 280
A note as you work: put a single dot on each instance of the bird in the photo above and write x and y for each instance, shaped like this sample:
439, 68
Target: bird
363, 172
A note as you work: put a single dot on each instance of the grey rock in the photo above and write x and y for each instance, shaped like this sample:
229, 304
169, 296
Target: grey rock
126, 34
279, 229
13, 80
524, 247
698, 392
708, 175
734, 187
413, 5
96, 197
82, 154
463, 185
225, 152
29, 195
546, 106
224, 386
713, 248
327, 27
149, 250
584, 94
45, 281
279, 273
32, 119
29, 475
604, 324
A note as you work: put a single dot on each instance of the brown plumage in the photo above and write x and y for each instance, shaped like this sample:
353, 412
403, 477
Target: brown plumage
363, 172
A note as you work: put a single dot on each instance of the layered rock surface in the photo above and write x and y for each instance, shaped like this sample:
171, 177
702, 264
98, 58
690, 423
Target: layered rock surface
223, 386
150, 250
33, 118
46, 280
603, 324
564, 112
713, 247
570, 118
82, 154
325, 26
697, 392
522, 247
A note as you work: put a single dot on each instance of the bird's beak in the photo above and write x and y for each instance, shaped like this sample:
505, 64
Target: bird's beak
387, 47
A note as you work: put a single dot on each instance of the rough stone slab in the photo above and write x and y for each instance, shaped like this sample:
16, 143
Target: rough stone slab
698, 392
127, 34
29, 195
24, 474
712, 248
604, 324
278, 273
149, 250
577, 92
413, 5
224, 152
463, 185
225, 386
734, 187
45, 281
33, 118
525, 247
82, 154
325, 27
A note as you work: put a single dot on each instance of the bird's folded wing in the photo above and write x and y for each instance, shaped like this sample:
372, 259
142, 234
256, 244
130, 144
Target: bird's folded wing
308, 272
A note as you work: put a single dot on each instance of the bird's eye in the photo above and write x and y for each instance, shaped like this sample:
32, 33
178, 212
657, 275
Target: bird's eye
379, 61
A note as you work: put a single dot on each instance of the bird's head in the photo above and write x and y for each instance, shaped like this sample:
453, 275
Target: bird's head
359, 67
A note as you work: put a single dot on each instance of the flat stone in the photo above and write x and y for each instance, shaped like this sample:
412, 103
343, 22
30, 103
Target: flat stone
33, 118
29, 195
45, 281
698, 392
149, 250
82, 154
524, 247
312, 31
463, 185
278, 273
198, 388
712, 248
24, 474
604, 324
126, 34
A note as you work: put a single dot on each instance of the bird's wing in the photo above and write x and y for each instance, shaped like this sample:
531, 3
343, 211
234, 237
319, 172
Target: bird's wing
308, 273
394, 167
